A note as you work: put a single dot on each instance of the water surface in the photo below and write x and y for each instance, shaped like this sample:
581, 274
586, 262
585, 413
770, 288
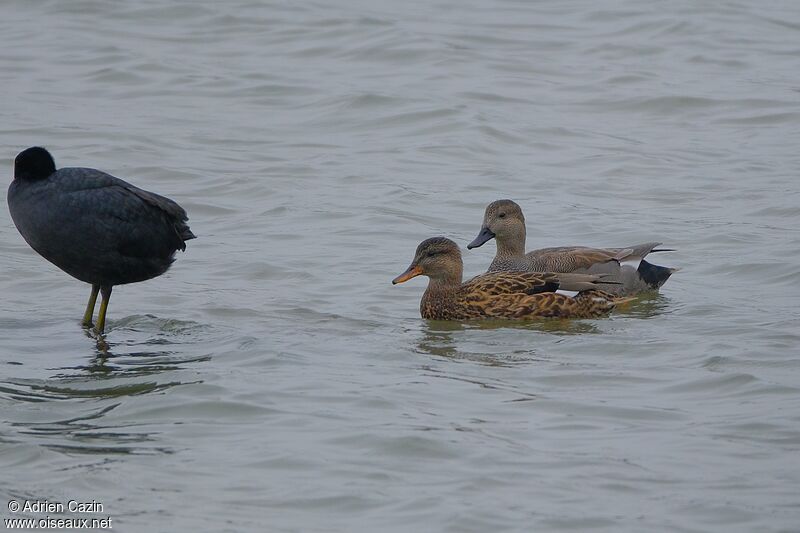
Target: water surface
274, 380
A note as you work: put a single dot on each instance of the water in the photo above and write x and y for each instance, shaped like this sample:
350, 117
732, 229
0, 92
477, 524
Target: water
275, 380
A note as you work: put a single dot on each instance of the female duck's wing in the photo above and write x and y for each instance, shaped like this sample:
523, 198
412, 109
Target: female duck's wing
519, 306
497, 283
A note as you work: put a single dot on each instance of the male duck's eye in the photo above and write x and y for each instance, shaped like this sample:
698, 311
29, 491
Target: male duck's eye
502, 215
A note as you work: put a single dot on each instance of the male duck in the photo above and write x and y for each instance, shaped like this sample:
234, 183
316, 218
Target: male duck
504, 222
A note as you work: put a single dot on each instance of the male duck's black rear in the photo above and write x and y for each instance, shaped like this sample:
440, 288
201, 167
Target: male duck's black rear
504, 222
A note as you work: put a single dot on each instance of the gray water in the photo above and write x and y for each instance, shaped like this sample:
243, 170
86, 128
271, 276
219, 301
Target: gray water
274, 379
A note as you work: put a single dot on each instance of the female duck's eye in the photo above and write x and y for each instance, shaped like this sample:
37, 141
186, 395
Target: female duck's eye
502, 215
431, 254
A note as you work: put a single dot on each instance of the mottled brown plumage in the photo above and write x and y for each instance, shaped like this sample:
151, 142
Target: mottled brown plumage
504, 222
500, 295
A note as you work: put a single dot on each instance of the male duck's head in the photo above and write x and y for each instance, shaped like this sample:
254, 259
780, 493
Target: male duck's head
503, 221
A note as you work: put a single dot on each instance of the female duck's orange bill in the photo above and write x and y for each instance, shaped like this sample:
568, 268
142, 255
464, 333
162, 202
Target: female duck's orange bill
412, 272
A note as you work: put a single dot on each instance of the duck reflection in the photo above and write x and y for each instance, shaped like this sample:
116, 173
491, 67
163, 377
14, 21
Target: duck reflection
440, 338
453, 340
648, 305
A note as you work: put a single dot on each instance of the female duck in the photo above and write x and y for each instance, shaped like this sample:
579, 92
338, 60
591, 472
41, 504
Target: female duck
501, 295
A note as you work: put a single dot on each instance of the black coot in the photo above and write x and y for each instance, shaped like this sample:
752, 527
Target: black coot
93, 226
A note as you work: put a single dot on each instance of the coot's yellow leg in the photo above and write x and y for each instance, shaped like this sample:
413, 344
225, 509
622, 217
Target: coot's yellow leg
87, 316
105, 292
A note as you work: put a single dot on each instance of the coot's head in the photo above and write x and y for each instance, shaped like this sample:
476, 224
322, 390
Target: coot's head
35, 163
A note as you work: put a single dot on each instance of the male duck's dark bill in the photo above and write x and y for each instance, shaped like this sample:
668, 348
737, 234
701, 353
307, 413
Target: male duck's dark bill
484, 236
412, 272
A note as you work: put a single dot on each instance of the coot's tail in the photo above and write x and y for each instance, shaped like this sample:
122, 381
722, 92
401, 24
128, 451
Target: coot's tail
184, 232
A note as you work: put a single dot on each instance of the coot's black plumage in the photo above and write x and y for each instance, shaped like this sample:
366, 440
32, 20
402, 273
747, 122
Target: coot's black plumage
95, 227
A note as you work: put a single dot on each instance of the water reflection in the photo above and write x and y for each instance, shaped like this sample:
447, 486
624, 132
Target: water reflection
437, 339
440, 338
147, 356
647, 305
77, 418
125, 356
91, 433
452, 339
545, 325
458, 340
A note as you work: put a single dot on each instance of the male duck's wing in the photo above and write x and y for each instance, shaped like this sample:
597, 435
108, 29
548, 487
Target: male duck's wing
570, 258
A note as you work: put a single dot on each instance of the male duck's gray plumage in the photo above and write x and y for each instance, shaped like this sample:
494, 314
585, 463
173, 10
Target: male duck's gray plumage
504, 222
